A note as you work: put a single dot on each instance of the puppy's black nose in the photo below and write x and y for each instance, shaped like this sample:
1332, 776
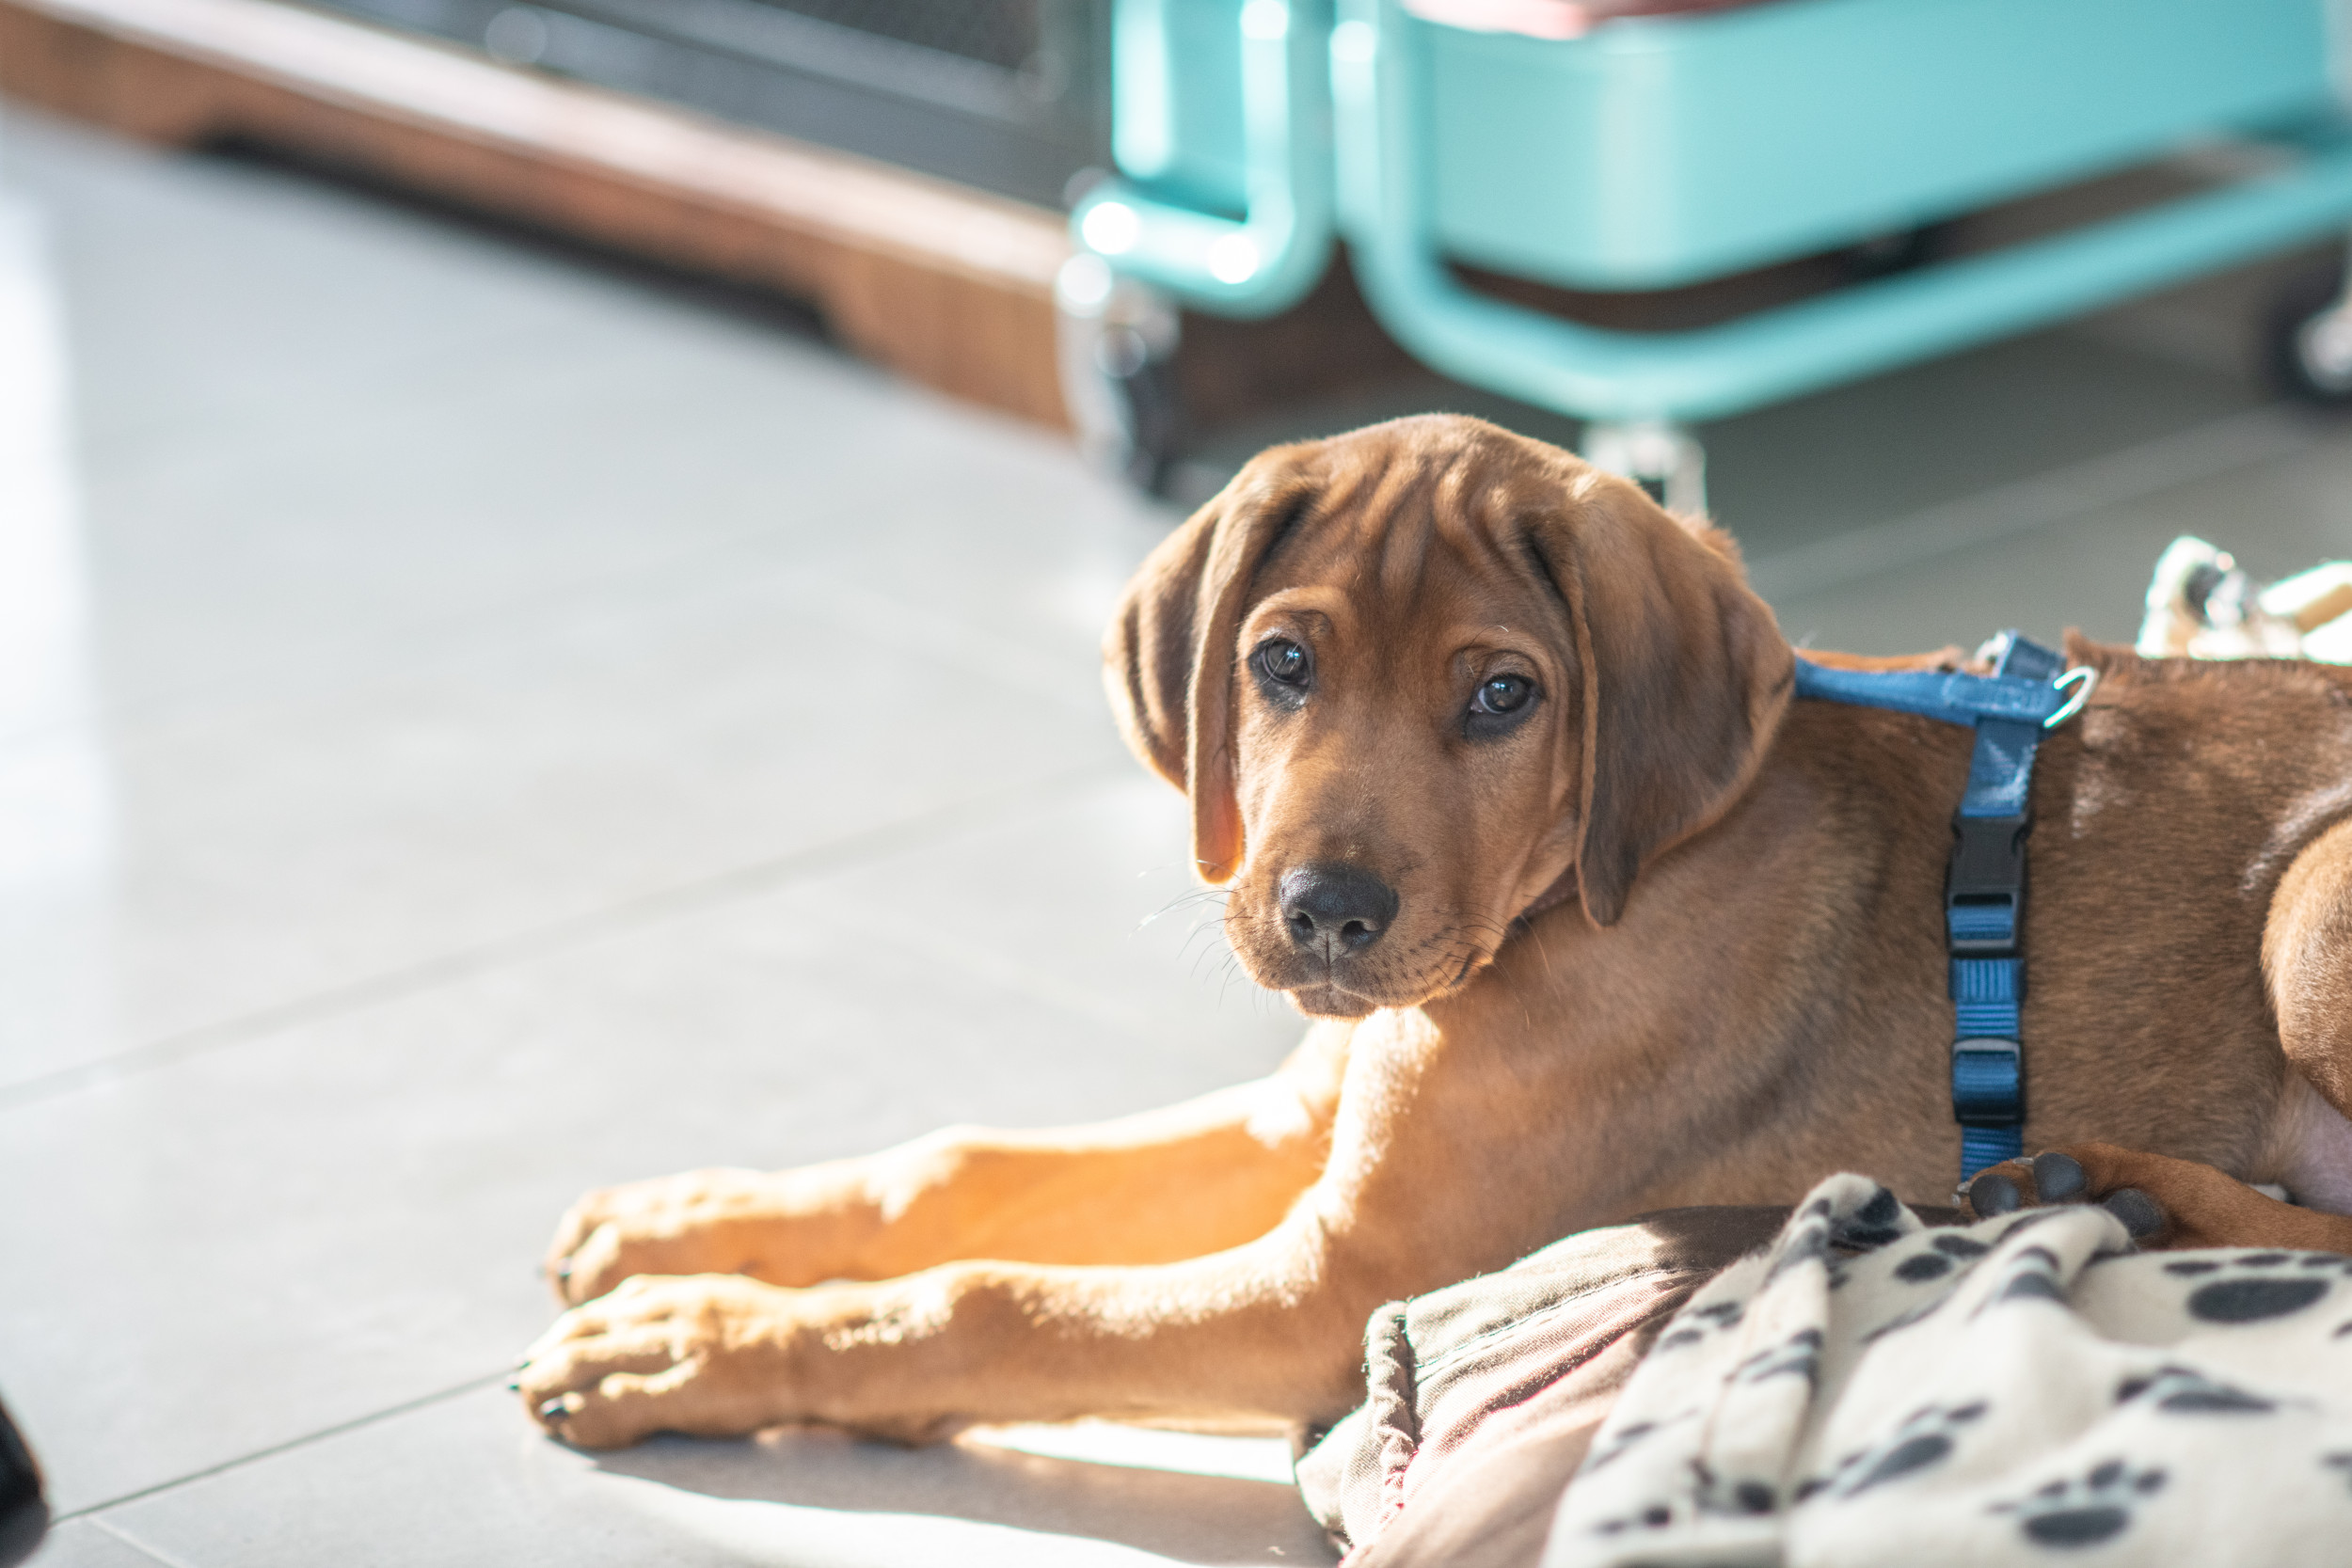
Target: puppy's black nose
1345, 903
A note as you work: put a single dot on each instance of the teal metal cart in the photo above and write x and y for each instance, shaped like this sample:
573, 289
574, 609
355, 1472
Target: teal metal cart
1649, 151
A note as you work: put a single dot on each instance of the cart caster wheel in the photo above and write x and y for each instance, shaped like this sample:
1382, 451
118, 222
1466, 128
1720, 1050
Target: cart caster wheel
1150, 407
1897, 251
1115, 345
2307, 341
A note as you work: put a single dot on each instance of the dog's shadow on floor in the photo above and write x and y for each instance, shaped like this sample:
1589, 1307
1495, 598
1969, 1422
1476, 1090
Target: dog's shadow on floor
1186, 1517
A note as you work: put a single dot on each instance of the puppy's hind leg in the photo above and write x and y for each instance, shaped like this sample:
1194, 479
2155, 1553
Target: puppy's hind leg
2306, 957
2164, 1202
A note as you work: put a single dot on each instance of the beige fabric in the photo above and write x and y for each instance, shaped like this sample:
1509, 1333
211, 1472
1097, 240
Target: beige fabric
2030, 1389
1484, 1396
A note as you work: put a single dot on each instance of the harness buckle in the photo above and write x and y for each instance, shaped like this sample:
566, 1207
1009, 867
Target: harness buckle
1984, 891
1988, 1081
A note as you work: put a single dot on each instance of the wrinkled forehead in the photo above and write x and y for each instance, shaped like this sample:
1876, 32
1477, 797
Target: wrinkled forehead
1418, 539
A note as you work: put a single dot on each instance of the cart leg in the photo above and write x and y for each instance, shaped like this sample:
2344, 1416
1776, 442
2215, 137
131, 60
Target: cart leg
1663, 458
2310, 339
1116, 346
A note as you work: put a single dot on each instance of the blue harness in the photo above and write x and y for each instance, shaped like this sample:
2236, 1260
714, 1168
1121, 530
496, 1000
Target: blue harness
1984, 891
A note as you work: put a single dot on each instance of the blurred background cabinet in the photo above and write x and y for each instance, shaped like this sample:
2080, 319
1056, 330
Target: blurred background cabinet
1007, 95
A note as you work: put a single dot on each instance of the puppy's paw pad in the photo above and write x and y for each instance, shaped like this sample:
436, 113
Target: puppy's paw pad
2059, 1176
2142, 1216
1994, 1193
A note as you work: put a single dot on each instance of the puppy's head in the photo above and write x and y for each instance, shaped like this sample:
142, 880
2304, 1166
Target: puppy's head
1415, 677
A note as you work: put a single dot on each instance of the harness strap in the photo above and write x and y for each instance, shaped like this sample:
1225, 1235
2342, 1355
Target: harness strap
1984, 889
1984, 913
1952, 695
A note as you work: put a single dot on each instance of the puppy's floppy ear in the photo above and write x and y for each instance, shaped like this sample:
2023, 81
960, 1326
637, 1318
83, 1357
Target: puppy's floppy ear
1685, 676
1169, 657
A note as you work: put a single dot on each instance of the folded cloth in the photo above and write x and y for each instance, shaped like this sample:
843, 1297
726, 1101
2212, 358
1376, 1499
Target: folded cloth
1484, 1395
2202, 604
1869, 1392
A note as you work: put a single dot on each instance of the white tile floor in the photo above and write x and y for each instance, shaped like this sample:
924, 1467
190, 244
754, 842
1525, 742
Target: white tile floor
474, 725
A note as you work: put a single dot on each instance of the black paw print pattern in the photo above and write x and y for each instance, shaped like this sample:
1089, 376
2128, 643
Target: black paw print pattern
2185, 1391
1799, 1355
1943, 1254
1717, 1495
2255, 1287
2031, 1274
2086, 1512
1720, 1494
1621, 1442
1818, 1231
1940, 1257
1698, 1322
1806, 1243
1926, 1438
1877, 1222
1656, 1516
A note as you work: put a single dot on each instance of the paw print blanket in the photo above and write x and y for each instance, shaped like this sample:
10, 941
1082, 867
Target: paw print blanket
1869, 1390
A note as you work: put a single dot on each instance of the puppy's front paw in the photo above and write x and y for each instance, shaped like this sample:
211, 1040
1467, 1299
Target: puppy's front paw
700, 1222
2058, 1177
2162, 1202
709, 1355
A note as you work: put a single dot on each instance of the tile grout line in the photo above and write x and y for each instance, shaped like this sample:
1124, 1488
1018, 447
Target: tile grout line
556, 937
483, 1380
154, 1554
423, 377
2202, 452
492, 617
456, 623
2217, 447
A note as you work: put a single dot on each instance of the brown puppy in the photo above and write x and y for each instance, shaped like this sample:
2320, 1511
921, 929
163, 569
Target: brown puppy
1500, 764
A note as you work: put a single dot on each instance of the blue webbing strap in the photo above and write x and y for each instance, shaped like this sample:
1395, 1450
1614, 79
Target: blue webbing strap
1984, 907
1954, 698
1984, 890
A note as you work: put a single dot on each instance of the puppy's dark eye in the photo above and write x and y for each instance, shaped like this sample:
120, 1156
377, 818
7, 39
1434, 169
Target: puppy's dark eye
1504, 694
1283, 661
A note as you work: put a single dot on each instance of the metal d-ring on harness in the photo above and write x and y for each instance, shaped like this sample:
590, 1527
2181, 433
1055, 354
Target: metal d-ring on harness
2029, 692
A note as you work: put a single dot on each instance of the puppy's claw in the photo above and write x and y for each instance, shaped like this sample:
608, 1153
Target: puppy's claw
2059, 1177
2141, 1214
1992, 1195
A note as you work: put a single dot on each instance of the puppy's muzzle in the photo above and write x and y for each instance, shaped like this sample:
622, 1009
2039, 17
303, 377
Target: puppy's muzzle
1335, 911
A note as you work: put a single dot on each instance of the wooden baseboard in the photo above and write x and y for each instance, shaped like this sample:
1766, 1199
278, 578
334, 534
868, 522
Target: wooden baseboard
949, 286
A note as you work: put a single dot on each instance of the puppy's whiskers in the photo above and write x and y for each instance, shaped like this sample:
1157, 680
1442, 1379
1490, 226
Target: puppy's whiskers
1191, 897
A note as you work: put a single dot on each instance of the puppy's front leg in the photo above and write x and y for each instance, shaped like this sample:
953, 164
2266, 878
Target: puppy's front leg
1268, 1329
1178, 1182
1444, 1162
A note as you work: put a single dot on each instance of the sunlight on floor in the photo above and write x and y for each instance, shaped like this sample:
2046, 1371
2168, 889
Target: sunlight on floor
55, 797
1198, 1453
